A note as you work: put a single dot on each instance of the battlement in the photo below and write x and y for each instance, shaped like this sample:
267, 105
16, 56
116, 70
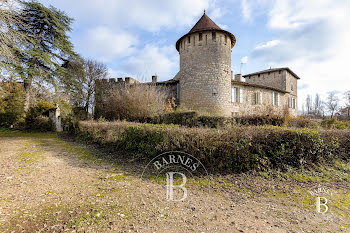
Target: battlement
128, 80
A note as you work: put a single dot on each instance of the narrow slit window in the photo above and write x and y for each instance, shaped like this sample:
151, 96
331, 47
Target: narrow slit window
189, 39
200, 36
214, 36
225, 39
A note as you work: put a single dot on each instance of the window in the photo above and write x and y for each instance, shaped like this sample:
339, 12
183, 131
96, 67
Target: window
257, 98
289, 102
237, 95
225, 39
279, 72
275, 98
241, 95
234, 94
294, 103
189, 39
213, 35
291, 87
200, 36
181, 44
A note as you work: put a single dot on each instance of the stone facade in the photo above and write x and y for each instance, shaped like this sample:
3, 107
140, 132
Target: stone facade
205, 81
205, 72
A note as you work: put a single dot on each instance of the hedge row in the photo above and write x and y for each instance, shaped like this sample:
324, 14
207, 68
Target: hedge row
230, 150
192, 119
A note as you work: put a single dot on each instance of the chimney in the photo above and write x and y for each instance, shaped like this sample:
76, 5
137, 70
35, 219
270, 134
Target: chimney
154, 78
238, 77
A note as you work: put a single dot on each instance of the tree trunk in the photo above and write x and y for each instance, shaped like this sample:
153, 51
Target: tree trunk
27, 89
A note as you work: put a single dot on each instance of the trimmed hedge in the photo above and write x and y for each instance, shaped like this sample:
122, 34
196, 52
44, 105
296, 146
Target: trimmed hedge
231, 150
193, 119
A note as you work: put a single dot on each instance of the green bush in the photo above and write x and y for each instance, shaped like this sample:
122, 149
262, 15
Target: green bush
235, 149
334, 123
37, 117
259, 120
303, 122
193, 119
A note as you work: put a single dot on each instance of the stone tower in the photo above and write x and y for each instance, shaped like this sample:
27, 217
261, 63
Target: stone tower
205, 68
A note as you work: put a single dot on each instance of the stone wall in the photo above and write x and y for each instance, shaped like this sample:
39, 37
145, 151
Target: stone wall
282, 80
251, 107
276, 79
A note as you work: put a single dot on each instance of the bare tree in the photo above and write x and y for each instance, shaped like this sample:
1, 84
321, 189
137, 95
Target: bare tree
309, 104
347, 103
317, 105
80, 81
332, 103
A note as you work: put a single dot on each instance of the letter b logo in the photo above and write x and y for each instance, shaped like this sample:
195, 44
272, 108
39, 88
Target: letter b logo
319, 204
170, 186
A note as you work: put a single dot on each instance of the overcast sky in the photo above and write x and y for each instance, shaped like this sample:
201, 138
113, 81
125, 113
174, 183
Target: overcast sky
137, 37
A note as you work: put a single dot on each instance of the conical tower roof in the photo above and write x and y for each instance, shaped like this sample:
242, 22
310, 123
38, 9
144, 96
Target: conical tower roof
207, 24
204, 23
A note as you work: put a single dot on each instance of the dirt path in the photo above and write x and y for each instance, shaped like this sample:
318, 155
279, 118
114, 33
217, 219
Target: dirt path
49, 185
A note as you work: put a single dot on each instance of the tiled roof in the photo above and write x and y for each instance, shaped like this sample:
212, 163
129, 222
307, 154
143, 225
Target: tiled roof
203, 24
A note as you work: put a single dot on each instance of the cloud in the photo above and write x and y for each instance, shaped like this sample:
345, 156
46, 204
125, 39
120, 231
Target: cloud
106, 45
312, 38
268, 44
150, 15
152, 60
244, 60
246, 10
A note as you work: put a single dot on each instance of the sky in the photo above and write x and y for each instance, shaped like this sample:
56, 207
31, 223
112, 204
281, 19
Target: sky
137, 37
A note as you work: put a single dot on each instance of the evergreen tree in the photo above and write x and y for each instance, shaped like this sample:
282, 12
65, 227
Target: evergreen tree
47, 47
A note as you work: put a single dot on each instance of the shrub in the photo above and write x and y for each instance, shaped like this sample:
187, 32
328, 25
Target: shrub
37, 117
334, 123
342, 139
237, 149
11, 104
260, 120
193, 119
135, 103
303, 122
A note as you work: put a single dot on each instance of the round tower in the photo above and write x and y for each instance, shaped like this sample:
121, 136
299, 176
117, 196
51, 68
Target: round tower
205, 67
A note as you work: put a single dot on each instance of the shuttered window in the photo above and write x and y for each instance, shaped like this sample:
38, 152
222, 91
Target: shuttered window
241, 95
234, 94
